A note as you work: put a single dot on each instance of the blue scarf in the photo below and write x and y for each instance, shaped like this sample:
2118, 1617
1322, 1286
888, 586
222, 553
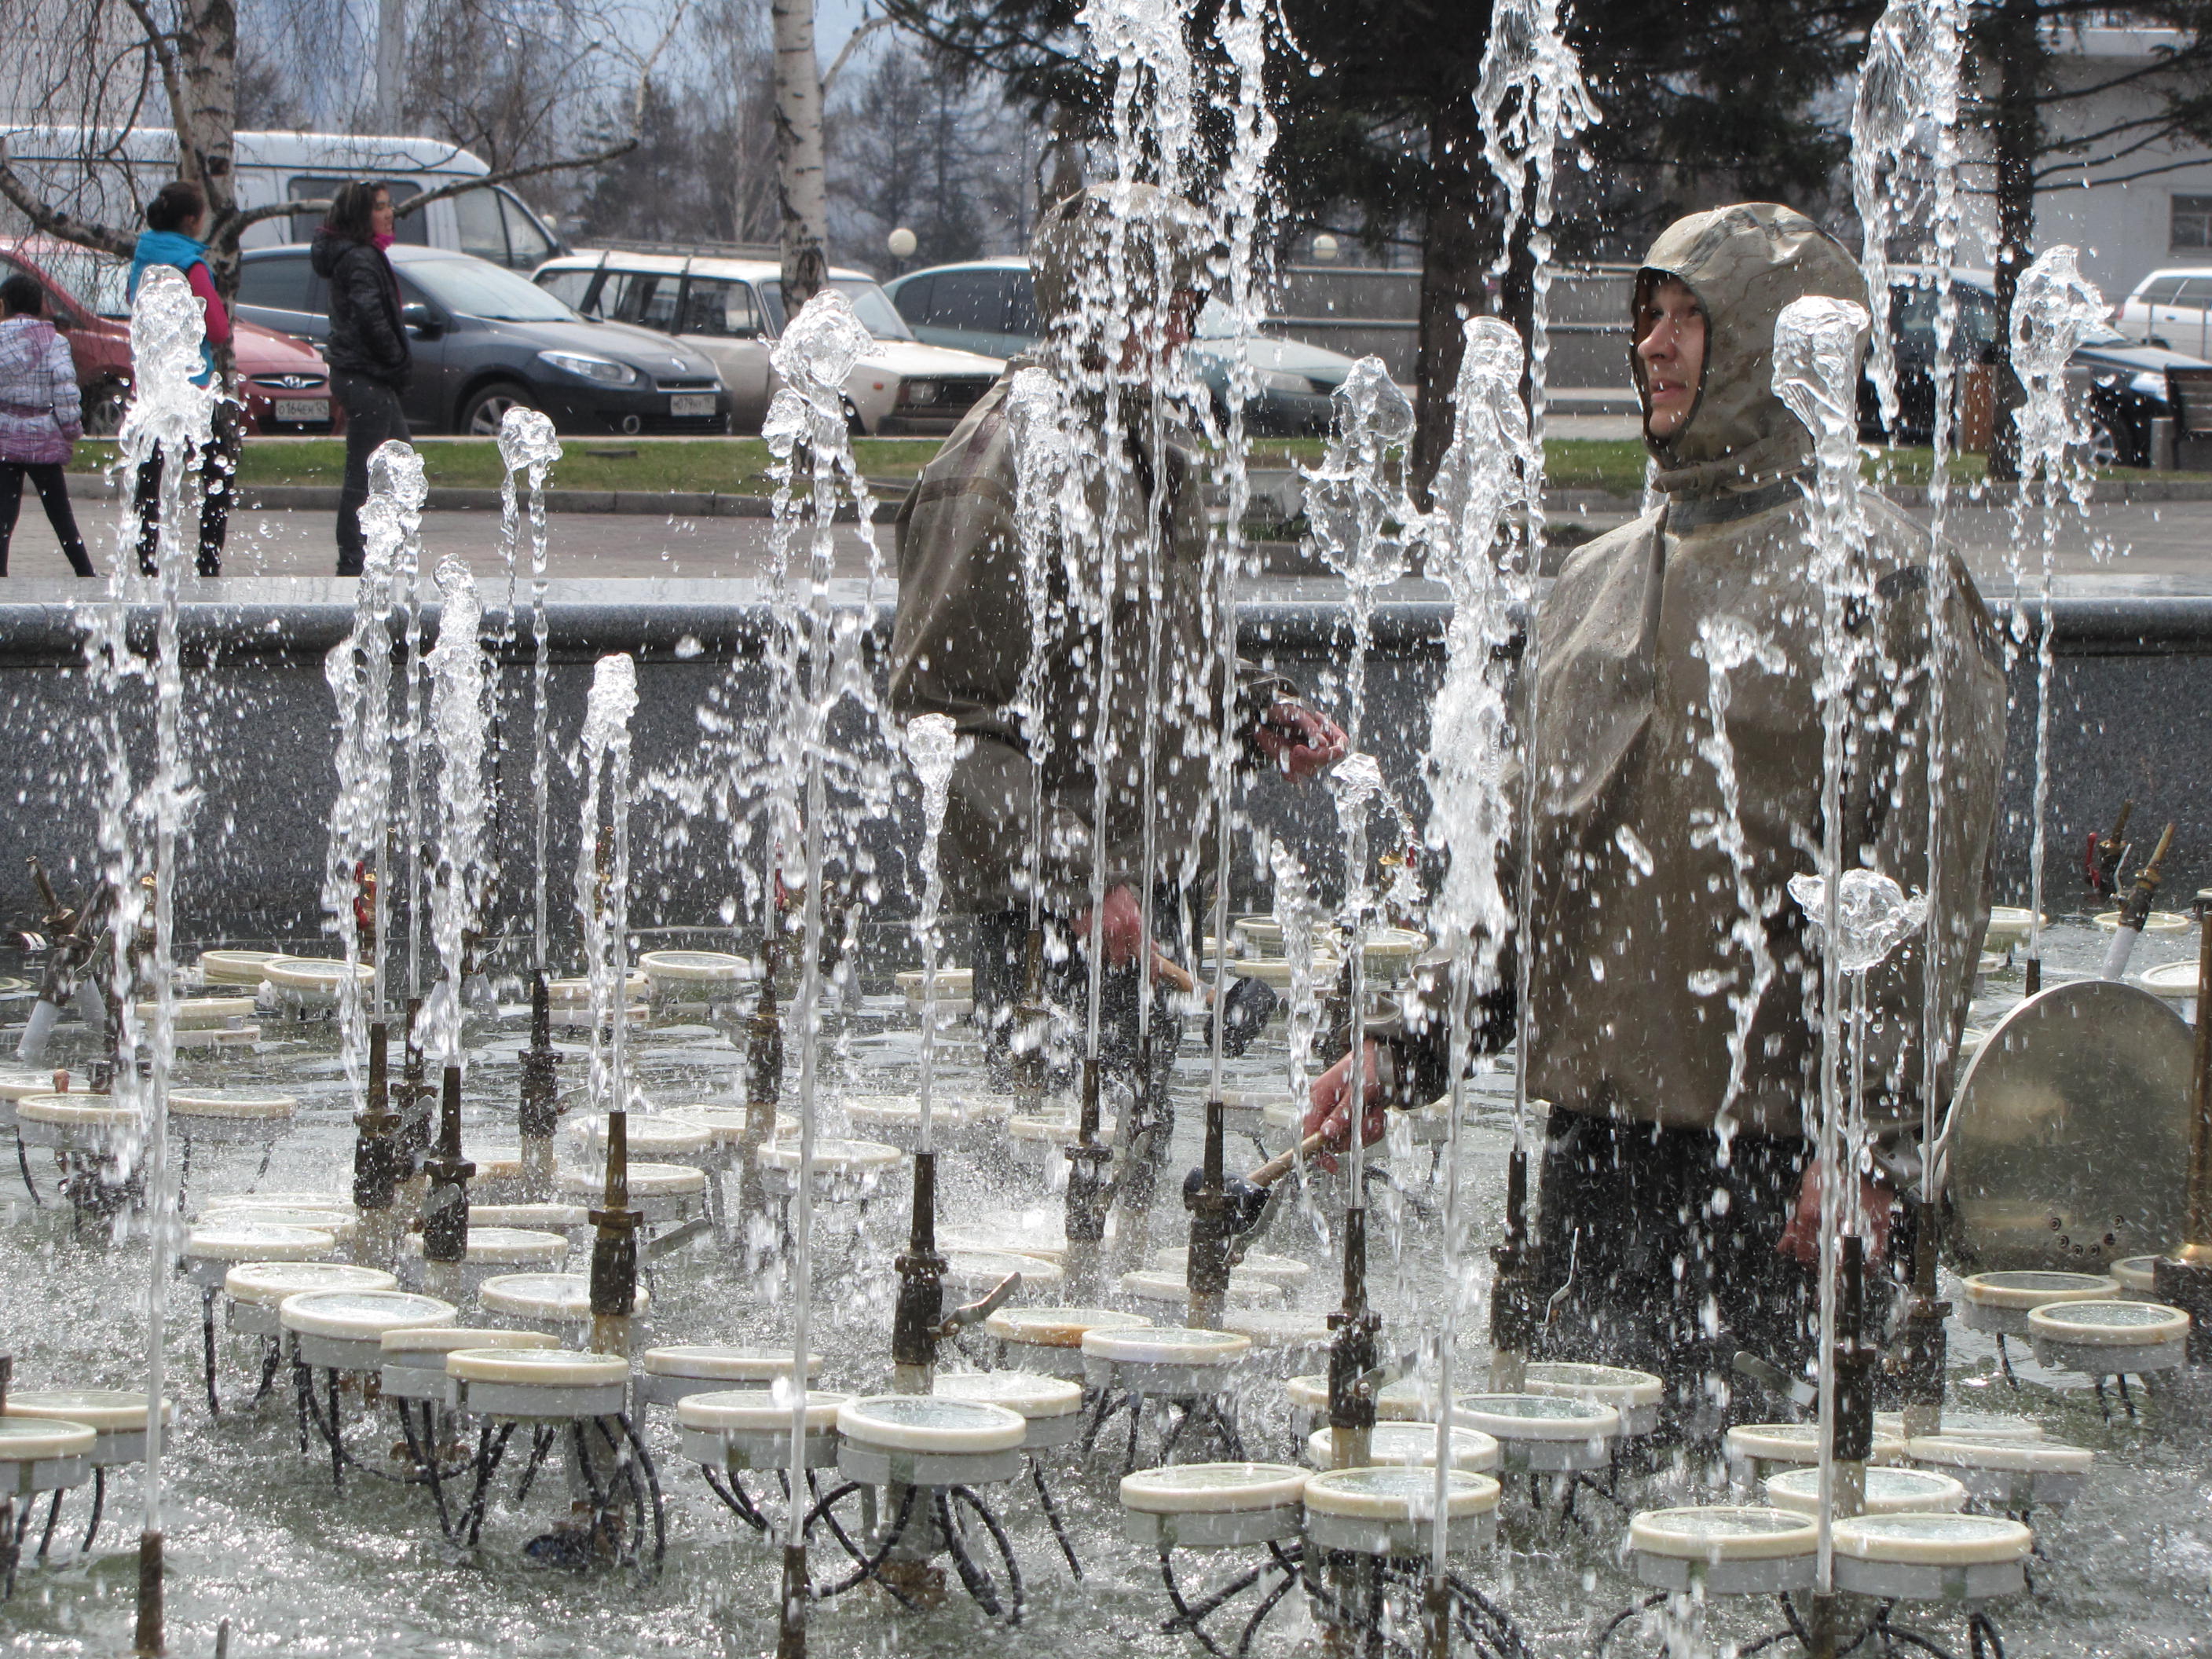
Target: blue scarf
170, 247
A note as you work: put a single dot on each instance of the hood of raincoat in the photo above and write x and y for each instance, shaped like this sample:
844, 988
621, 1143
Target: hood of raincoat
1111, 249
1745, 263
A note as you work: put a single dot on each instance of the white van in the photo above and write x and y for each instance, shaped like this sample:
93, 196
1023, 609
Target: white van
492, 223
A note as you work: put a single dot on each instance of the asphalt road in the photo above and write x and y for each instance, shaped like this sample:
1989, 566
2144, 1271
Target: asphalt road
2152, 548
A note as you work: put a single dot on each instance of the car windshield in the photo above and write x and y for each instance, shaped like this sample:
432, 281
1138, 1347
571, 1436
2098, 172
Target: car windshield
870, 304
475, 289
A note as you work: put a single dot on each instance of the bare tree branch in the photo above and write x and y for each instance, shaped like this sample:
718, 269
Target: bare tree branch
505, 175
56, 222
852, 44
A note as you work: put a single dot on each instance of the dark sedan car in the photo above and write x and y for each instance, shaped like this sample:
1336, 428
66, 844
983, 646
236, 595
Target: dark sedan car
2118, 387
487, 339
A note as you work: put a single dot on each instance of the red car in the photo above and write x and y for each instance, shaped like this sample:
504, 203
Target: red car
284, 386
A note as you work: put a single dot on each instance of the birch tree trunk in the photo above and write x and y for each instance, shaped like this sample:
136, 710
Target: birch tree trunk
802, 190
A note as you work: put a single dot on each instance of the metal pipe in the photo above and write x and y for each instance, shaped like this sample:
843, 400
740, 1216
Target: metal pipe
2137, 910
921, 1307
376, 1156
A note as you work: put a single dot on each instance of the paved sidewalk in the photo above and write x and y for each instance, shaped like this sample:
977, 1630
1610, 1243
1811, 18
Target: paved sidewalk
2163, 547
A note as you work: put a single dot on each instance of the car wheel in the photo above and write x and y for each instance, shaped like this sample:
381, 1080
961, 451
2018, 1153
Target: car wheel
2103, 441
103, 404
487, 407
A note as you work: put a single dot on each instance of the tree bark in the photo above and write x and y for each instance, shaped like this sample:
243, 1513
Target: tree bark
802, 188
1452, 265
2013, 50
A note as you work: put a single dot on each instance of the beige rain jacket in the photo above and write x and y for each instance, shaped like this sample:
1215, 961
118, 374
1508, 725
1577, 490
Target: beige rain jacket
962, 637
1634, 895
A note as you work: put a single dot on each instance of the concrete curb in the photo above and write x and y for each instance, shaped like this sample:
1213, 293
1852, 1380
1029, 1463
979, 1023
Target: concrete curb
673, 504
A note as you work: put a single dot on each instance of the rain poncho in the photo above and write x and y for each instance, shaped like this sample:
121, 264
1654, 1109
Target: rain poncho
1634, 895
962, 639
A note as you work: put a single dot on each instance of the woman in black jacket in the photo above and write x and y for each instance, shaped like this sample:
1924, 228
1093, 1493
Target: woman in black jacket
370, 362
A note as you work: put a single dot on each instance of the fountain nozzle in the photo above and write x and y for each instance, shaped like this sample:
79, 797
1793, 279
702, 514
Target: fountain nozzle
446, 1207
1515, 1318
614, 1250
541, 1104
2100, 861
921, 1309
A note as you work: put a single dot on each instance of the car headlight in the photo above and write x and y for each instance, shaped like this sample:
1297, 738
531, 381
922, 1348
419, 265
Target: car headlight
2148, 384
918, 394
604, 370
1281, 380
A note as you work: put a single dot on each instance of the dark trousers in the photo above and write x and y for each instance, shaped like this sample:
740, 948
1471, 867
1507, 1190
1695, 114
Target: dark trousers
373, 418
1672, 1260
46, 477
217, 464
1001, 969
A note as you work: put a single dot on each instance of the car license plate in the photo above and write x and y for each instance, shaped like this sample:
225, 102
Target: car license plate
682, 403
302, 409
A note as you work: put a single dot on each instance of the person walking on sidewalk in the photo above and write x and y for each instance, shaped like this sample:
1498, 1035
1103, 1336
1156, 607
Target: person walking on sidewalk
173, 218
41, 418
369, 357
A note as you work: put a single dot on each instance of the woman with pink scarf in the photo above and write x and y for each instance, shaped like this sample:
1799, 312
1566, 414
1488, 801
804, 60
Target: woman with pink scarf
41, 418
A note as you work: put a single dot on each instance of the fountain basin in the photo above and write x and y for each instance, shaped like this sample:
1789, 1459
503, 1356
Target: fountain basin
2102, 1338
2158, 922
315, 979
1172, 1289
543, 1385
1724, 1549
662, 1192
1412, 1444
2008, 926
1171, 1360
1635, 1394
668, 1376
2010, 1475
1049, 1341
236, 967
414, 1355
1755, 1450
343, 1330
1931, 1557
842, 1169
1542, 1434
1403, 1401
116, 1418
1051, 1405
48, 1454
212, 1250
1281, 1270
1889, 1490
667, 1137
746, 1429
1213, 1505
2137, 1277
1389, 1511
195, 1013
257, 1289
555, 1302
73, 1123
973, 1274
1999, 1304
680, 969
925, 1440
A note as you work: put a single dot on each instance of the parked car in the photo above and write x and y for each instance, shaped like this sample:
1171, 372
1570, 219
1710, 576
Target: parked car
491, 222
2118, 387
2170, 308
283, 385
731, 310
487, 339
988, 305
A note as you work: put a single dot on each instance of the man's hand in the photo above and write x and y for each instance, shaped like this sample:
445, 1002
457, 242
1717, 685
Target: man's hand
1801, 1239
1297, 740
1125, 927
1328, 1111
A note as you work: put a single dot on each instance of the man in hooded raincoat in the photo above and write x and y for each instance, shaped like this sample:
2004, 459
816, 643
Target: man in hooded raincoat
1118, 271
1677, 1200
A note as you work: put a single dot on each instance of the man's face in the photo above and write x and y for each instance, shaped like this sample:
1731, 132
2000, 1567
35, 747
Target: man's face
1149, 344
1671, 346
